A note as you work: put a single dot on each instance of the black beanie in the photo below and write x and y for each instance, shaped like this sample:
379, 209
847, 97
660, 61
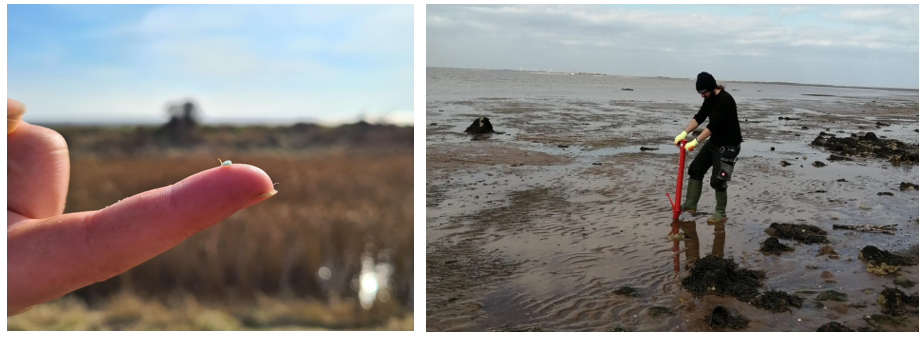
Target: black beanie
705, 81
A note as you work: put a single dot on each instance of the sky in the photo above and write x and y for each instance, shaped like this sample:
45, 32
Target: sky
250, 63
848, 45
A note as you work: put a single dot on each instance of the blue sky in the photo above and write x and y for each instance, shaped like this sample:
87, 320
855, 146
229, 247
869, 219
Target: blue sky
90, 63
851, 45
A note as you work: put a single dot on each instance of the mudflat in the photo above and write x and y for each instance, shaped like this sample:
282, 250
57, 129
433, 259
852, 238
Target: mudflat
558, 221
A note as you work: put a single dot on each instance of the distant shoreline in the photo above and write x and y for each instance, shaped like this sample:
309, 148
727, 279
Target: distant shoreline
689, 79
219, 123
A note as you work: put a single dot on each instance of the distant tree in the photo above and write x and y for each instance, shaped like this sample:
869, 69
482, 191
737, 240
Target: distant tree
183, 119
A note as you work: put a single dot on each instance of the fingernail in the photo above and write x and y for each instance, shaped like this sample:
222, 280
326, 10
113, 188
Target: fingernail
261, 197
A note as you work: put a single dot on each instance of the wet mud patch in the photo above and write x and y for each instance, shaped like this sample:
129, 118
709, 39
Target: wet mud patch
483, 153
627, 291
721, 318
807, 234
521, 205
658, 311
869, 145
772, 246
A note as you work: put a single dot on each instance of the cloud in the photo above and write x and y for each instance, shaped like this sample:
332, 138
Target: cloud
565, 36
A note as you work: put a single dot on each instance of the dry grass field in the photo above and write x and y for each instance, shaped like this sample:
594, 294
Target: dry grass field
290, 262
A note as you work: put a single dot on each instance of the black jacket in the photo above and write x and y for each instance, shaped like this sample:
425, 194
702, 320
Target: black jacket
721, 111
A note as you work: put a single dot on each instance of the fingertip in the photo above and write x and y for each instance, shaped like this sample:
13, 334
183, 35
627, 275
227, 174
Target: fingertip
14, 112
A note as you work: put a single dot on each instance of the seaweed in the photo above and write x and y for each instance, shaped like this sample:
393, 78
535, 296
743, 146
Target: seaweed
806, 234
772, 246
777, 301
831, 295
834, 326
722, 277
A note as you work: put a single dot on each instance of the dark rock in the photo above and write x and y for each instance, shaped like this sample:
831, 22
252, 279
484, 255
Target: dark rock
806, 234
842, 180
893, 299
804, 127
872, 253
882, 124
784, 163
480, 125
649, 148
834, 326
772, 148
778, 301
869, 146
433, 124
563, 146
909, 187
818, 164
721, 318
834, 157
789, 118
886, 193
628, 89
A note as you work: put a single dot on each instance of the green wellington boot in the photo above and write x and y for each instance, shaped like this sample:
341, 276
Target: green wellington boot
693, 191
721, 199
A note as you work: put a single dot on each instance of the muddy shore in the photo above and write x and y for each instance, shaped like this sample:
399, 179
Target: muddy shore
535, 229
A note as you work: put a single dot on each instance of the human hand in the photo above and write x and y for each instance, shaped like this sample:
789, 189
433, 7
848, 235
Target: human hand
679, 138
50, 254
691, 145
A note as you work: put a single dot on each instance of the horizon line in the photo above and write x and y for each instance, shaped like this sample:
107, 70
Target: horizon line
692, 78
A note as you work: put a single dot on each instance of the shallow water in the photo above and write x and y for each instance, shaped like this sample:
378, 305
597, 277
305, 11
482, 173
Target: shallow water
536, 227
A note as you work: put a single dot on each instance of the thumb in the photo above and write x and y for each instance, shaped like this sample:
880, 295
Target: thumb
52, 257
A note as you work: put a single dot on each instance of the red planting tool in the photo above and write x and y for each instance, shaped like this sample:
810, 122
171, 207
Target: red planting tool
679, 181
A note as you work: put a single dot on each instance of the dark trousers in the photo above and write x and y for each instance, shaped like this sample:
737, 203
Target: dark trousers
720, 158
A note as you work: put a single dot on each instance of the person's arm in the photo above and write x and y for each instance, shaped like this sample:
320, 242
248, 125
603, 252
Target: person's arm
691, 126
704, 135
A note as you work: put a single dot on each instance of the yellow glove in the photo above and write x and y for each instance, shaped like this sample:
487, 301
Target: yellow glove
691, 145
679, 138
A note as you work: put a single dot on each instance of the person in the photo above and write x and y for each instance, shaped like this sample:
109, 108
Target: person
720, 151
50, 254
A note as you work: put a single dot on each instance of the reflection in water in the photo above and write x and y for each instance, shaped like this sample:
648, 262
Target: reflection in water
690, 239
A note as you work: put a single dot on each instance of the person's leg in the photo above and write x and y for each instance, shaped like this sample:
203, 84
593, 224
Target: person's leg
697, 170
723, 159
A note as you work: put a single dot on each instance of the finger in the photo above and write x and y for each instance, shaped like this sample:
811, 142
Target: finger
14, 112
38, 170
52, 257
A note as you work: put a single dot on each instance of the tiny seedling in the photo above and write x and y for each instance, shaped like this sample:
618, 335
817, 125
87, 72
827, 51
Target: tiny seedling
225, 163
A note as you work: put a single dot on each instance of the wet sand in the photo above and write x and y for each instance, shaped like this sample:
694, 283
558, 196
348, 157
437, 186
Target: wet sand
535, 228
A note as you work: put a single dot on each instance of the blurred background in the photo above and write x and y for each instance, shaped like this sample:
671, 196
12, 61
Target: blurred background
320, 97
